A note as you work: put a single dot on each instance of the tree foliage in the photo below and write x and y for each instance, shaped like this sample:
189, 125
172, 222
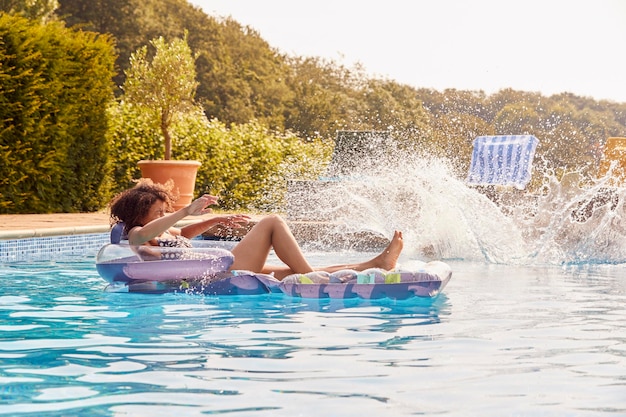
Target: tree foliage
266, 108
42, 10
164, 86
321, 97
242, 78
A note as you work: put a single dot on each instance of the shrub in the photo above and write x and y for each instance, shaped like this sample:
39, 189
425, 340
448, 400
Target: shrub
55, 85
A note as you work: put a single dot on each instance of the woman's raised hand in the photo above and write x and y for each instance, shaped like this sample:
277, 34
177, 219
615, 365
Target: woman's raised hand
201, 205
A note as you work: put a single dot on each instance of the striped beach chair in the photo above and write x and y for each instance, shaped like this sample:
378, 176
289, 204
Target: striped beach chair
502, 160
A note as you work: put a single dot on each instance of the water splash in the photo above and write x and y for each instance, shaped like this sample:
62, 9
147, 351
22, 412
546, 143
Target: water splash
442, 218
577, 224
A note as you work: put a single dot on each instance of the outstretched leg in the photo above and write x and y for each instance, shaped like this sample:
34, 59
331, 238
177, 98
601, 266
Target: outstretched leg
386, 260
272, 232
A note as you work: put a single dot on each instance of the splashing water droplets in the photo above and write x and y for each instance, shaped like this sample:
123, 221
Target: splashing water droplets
443, 218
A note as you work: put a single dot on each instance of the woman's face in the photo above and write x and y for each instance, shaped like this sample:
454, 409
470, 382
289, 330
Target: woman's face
157, 210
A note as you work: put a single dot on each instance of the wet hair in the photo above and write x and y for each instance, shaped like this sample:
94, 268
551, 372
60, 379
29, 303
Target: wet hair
132, 205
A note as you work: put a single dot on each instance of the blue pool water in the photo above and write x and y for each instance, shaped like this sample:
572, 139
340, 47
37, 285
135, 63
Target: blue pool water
501, 340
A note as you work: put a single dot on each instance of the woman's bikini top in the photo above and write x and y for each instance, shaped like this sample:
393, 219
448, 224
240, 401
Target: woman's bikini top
177, 242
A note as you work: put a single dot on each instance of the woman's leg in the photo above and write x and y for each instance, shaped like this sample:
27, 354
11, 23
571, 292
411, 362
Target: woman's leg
272, 232
386, 260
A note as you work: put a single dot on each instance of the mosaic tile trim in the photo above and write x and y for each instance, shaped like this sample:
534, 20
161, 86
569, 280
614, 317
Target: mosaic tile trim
60, 248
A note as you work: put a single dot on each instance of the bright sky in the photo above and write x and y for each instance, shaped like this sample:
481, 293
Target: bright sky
546, 46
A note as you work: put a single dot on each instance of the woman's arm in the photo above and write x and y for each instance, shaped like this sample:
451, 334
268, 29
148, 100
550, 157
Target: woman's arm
234, 221
142, 234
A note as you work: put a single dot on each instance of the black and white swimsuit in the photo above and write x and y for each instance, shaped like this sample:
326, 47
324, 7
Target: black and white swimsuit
177, 242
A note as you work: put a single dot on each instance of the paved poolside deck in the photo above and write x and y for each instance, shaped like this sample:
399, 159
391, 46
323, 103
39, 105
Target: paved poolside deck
46, 221
20, 226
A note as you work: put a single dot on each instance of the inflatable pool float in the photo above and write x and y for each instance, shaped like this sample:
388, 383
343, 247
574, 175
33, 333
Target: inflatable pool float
427, 281
151, 269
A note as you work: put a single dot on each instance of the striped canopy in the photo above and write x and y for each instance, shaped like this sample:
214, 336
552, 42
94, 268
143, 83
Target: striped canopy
502, 160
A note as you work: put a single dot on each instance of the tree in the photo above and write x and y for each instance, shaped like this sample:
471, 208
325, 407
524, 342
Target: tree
390, 105
163, 86
114, 17
321, 102
241, 77
42, 10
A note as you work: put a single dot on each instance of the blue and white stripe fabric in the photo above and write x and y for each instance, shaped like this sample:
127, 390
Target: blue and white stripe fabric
502, 160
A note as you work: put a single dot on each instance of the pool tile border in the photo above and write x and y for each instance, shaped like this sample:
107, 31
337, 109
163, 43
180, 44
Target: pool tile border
54, 243
54, 247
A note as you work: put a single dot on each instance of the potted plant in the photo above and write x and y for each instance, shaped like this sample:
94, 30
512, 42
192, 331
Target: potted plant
165, 86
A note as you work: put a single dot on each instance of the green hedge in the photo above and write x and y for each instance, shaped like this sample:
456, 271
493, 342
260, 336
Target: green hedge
55, 85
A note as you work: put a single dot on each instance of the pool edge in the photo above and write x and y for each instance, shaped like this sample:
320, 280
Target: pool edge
52, 231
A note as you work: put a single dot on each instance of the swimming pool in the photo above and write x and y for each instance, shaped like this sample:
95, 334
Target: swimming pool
501, 340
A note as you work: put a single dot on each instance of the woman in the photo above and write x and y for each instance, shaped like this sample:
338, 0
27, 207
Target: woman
146, 213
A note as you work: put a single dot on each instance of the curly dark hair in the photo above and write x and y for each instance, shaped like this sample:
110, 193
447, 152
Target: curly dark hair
130, 206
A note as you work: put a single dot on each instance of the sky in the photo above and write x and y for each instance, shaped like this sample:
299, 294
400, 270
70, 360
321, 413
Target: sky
545, 46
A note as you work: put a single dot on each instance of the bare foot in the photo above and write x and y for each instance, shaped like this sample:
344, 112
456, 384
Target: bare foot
389, 257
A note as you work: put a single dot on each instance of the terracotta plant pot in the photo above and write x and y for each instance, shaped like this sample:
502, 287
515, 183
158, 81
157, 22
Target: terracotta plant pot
183, 173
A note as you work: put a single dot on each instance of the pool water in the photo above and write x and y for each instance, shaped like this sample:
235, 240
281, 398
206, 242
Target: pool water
500, 340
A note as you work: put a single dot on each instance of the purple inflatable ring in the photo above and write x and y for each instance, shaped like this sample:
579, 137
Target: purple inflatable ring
126, 263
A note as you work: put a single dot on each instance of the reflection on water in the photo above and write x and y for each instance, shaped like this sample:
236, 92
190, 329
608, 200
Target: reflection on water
541, 340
